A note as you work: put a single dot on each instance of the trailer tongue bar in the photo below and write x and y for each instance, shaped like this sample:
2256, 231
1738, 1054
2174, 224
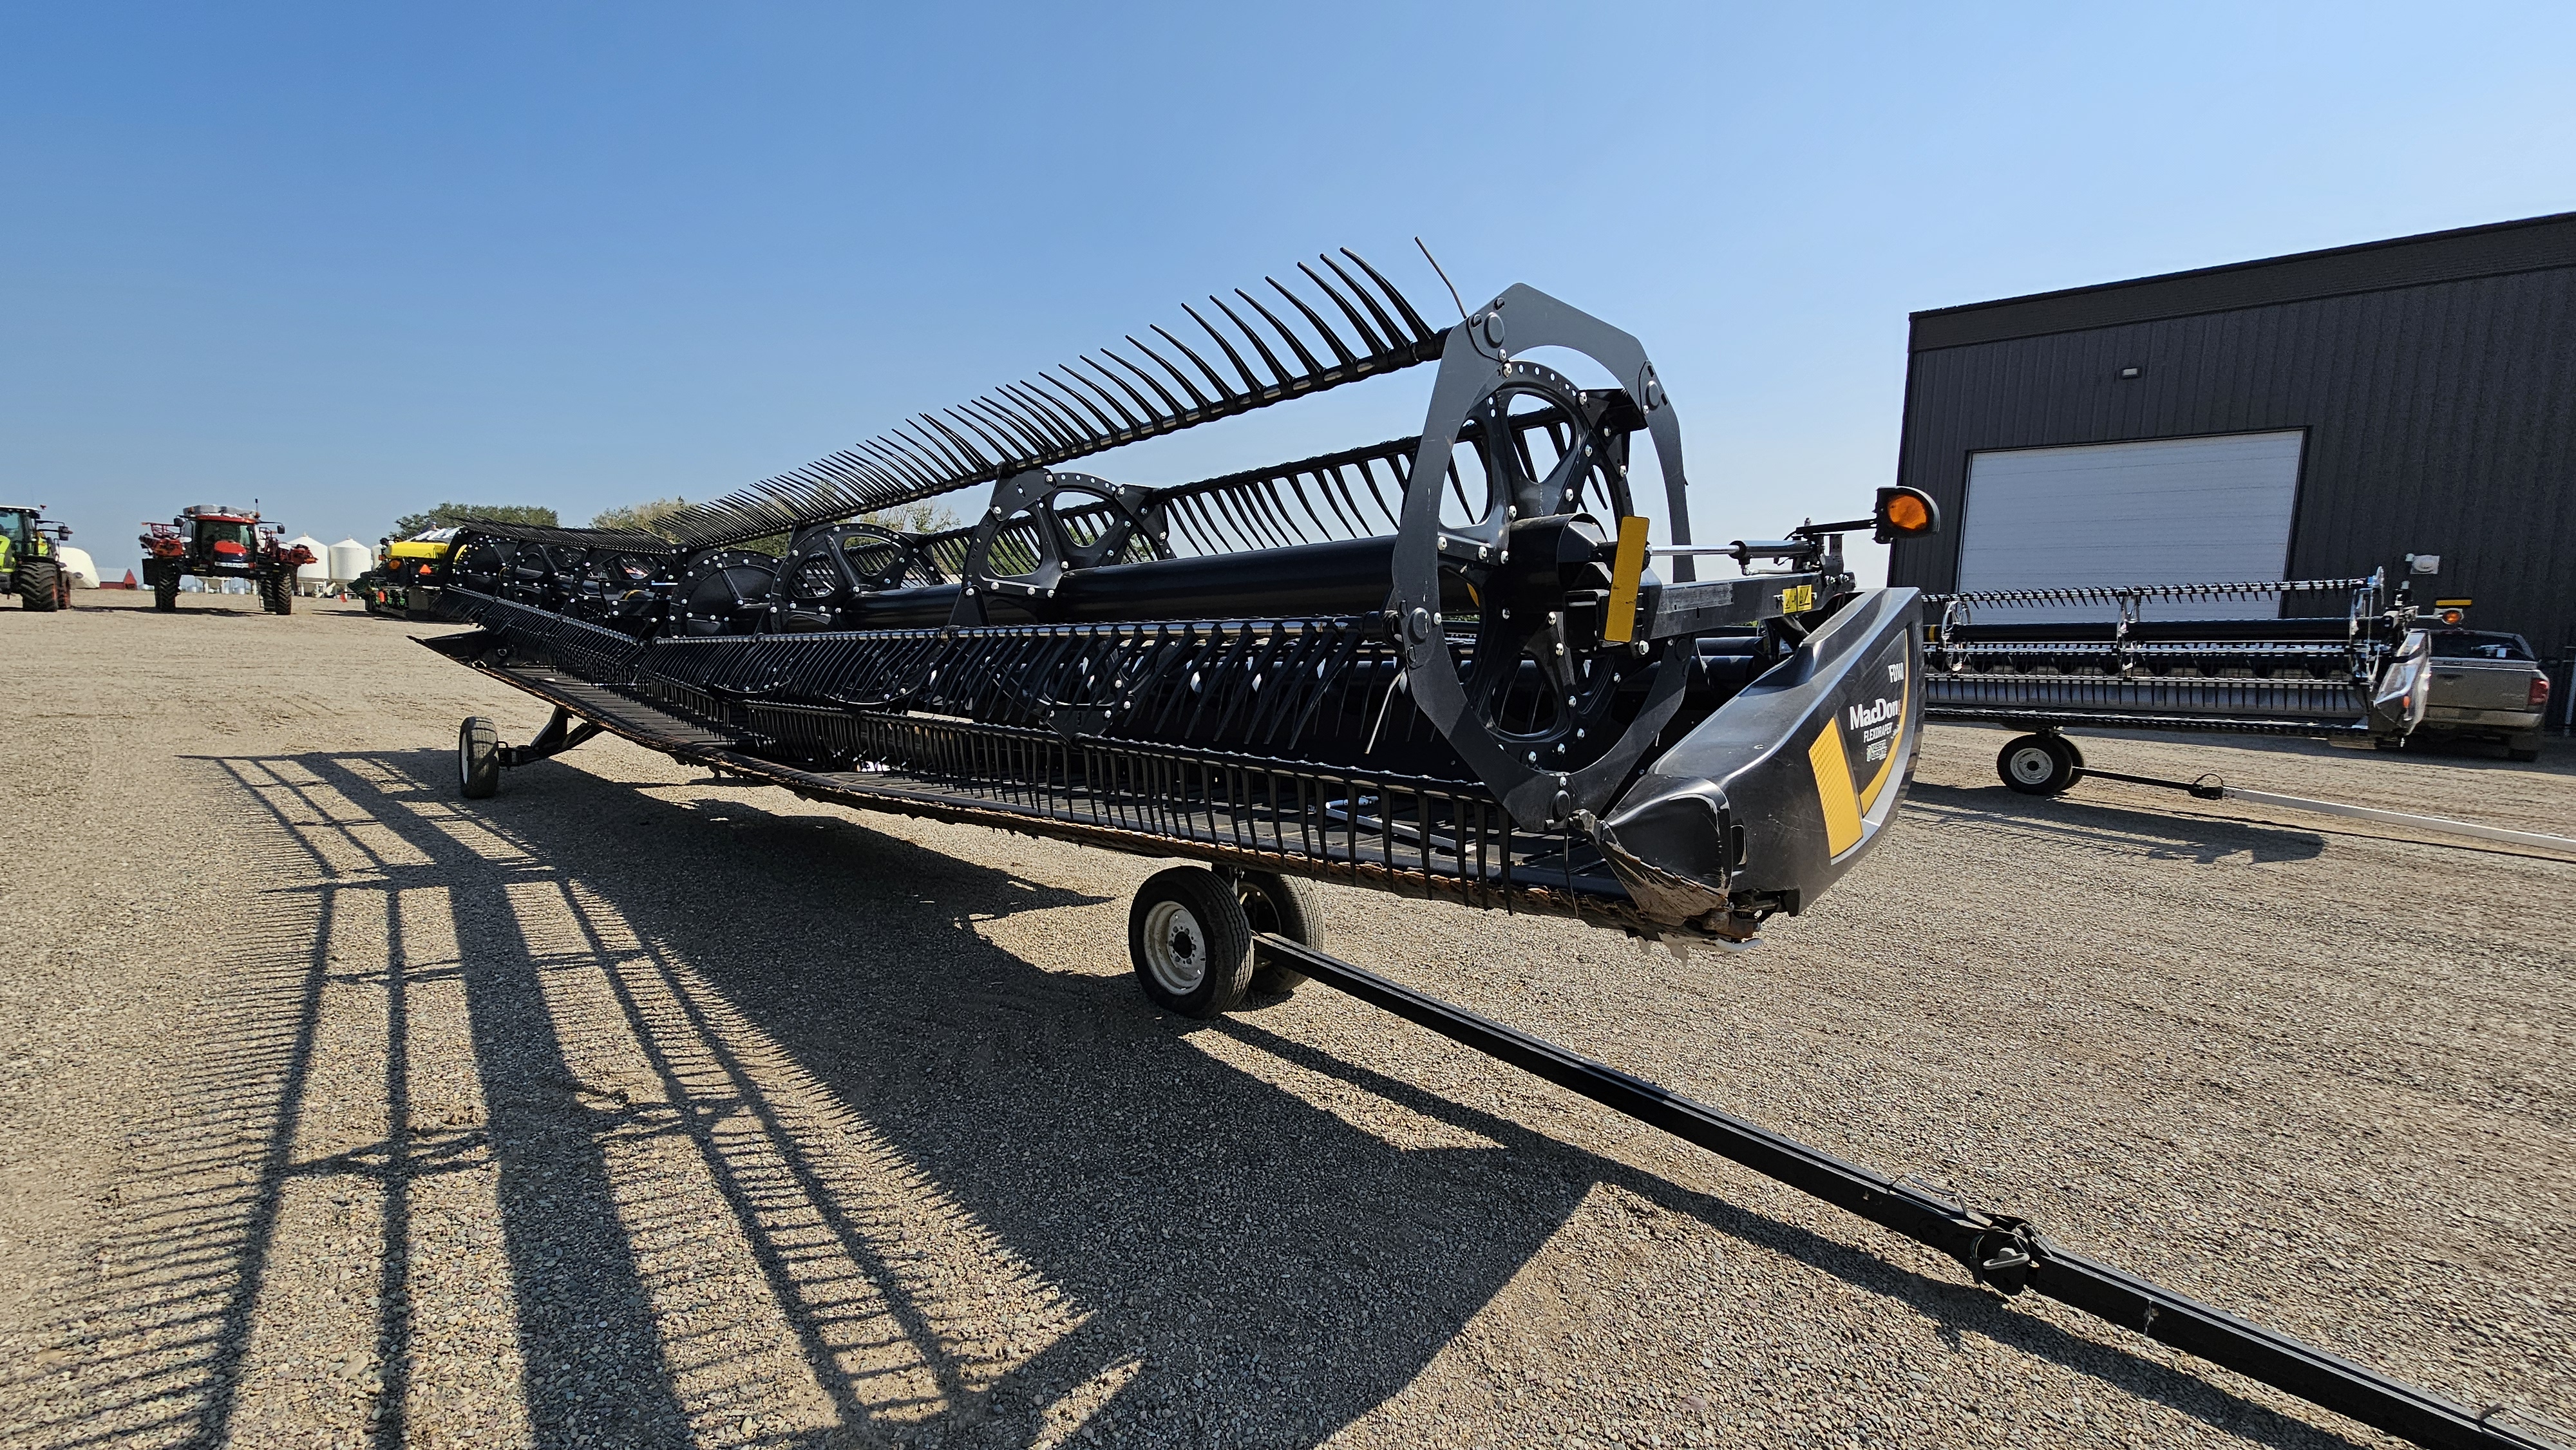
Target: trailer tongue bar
2006, 1253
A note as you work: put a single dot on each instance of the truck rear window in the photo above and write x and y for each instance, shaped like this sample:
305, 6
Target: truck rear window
2474, 644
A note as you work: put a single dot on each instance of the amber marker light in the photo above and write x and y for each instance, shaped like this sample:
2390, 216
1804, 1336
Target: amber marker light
1906, 513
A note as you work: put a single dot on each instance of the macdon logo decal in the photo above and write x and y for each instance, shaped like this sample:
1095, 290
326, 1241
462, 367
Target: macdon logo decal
1862, 716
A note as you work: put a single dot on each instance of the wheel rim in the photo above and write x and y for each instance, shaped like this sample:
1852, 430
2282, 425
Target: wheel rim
1176, 949
2032, 765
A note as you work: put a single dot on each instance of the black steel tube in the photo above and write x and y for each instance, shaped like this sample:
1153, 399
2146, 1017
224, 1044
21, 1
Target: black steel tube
2275, 1359
1340, 577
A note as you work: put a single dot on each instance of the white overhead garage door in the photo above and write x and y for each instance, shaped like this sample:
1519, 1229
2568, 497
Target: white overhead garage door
2167, 511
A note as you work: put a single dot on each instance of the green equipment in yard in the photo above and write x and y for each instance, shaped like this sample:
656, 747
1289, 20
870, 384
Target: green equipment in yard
30, 563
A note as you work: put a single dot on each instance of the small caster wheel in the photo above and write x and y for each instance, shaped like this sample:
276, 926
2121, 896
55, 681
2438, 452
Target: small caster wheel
2038, 764
1190, 942
1288, 907
478, 758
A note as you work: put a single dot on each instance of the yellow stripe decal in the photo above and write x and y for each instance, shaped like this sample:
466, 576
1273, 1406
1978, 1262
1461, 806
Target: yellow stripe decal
1834, 790
1895, 746
1619, 625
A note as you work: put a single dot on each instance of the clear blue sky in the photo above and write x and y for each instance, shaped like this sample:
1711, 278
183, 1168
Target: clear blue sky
354, 259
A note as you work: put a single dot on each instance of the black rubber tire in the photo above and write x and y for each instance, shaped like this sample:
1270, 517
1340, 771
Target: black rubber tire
478, 759
1288, 906
165, 592
1190, 942
2037, 764
2522, 747
40, 585
281, 596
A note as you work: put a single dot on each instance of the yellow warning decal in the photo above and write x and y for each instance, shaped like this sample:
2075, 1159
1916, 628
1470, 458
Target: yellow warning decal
1619, 625
1834, 790
1798, 599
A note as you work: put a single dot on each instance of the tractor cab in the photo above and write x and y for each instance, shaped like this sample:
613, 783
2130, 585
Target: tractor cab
226, 539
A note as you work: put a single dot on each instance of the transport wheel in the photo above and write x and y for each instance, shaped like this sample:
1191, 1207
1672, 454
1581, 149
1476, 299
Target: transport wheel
1289, 907
1190, 942
40, 585
2037, 765
478, 758
165, 593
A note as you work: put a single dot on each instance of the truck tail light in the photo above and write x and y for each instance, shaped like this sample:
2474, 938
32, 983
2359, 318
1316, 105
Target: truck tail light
2540, 692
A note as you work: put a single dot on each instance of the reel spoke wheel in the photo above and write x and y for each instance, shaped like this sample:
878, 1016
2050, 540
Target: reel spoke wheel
478, 759
1190, 942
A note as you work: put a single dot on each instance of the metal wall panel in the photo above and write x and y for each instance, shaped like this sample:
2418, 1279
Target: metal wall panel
2441, 419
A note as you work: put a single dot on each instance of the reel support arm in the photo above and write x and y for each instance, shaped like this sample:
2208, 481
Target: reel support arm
560, 735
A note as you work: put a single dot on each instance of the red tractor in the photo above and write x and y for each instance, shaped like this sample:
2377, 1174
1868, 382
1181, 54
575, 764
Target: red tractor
213, 542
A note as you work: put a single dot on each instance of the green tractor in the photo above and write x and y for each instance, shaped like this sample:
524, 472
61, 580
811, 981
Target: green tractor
29, 567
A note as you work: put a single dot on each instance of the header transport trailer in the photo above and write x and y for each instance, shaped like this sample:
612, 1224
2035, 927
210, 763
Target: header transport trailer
2328, 658
1437, 665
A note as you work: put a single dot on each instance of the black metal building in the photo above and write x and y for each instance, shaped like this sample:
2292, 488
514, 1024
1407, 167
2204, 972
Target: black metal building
2343, 409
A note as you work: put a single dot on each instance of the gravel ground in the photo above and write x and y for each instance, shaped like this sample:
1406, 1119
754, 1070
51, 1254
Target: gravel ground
627, 1108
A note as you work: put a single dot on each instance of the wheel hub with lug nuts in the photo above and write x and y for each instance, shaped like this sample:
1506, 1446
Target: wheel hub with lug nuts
1175, 947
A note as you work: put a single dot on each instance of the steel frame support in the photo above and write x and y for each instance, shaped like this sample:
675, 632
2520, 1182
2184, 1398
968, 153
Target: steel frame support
2001, 1251
559, 736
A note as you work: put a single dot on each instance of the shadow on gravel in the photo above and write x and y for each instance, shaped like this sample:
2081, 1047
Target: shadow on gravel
832, 1044
2114, 829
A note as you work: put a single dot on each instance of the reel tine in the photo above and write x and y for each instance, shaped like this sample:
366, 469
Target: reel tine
1069, 424
1198, 400
1034, 423
1278, 374
1224, 393
1148, 379
1129, 419
1143, 407
1011, 425
1231, 355
1106, 427
1386, 324
963, 442
1368, 339
981, 430
913, 430
1312, 367
975, 459
1331, 339
1422, 331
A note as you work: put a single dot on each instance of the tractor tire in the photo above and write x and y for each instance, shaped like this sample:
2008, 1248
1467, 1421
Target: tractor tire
1190, 942
281, 596
40, 585
1289, 907
478, 759
2037, 765
165, 591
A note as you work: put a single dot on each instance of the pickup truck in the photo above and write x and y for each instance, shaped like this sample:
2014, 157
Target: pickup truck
2487, 685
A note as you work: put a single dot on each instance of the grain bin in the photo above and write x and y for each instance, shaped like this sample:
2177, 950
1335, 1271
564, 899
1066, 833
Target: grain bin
349, 559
